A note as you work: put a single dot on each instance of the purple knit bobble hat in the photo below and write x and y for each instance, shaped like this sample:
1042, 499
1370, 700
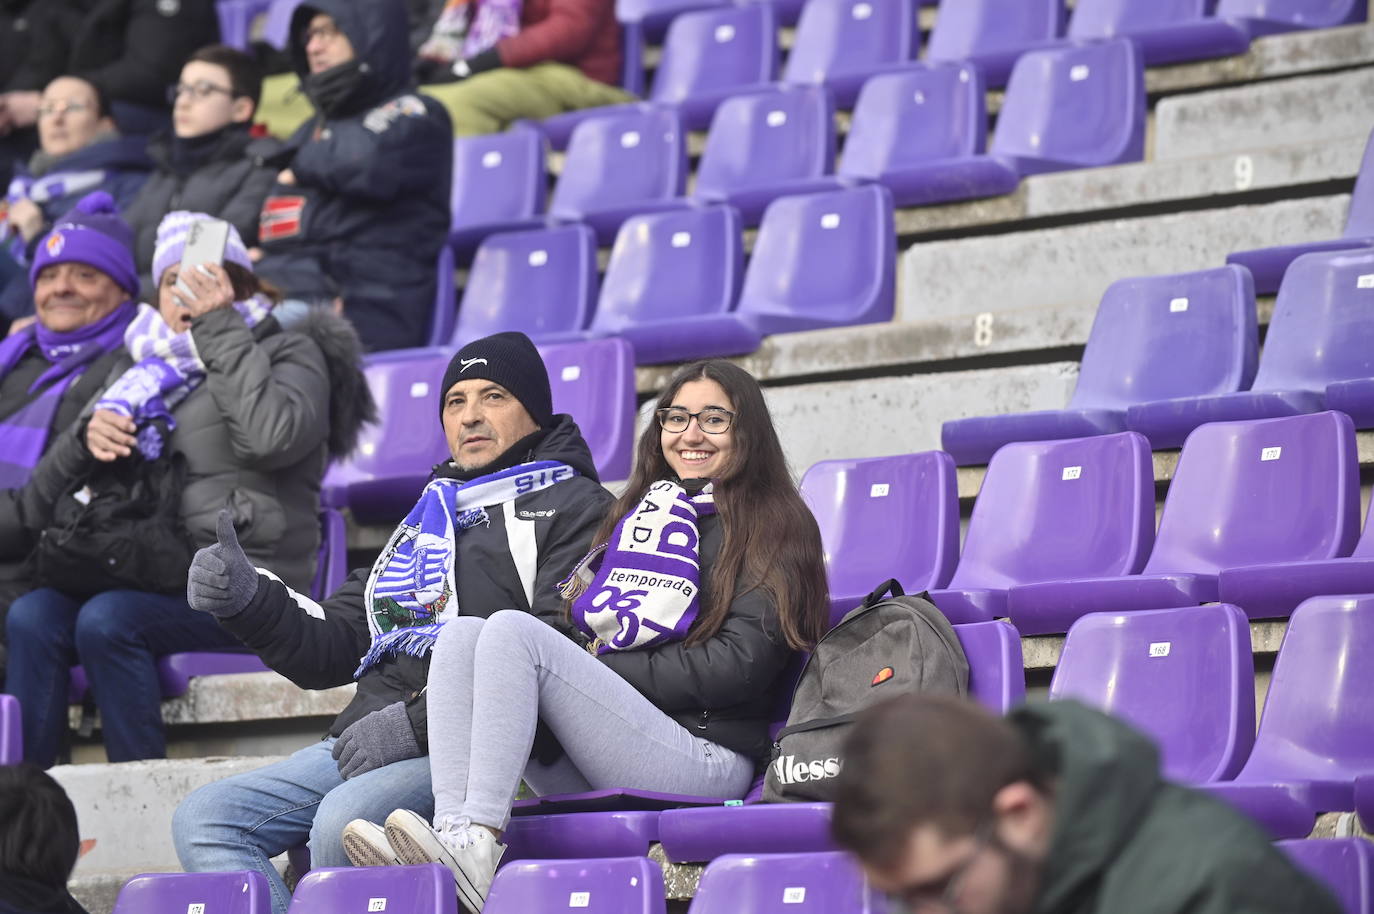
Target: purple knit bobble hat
171, 243
91, 233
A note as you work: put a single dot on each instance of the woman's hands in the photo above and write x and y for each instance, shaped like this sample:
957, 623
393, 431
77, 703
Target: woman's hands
110, 436
209, 286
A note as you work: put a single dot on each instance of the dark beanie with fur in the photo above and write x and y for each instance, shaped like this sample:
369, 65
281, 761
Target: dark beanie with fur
510, 360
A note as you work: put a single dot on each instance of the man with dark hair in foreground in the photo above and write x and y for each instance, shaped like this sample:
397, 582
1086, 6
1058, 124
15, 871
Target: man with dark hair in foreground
1055, 809
38, 843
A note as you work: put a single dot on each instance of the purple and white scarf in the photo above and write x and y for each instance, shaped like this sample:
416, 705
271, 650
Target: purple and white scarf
25, 432
412, 590
646, 590
166, 368
460, 33
50, 187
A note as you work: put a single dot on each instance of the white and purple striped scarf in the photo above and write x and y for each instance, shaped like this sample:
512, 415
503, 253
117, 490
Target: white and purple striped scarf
166, 368
466, 28
412, 590
55, 186
646, 590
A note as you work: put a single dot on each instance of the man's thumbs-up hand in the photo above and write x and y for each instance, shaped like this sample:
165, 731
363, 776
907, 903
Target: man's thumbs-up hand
222, 581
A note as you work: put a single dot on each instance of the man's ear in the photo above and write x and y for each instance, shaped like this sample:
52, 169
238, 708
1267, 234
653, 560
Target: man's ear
242, 111
1024, 816
106, 124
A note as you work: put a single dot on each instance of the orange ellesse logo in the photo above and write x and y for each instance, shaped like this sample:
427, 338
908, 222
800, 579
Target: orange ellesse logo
883, 676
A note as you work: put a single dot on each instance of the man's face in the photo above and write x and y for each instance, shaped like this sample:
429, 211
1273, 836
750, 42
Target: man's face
205, 101
481, 421
67, 116
326, 45
69, 296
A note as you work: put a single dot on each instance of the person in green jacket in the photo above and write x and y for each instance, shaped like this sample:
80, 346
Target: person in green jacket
1055, 809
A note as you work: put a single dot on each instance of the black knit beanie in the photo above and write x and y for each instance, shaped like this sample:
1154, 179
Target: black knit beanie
510, 360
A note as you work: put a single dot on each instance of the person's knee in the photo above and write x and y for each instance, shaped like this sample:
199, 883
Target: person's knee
197, 822
28, 622
105, 620
326, 832
458, 630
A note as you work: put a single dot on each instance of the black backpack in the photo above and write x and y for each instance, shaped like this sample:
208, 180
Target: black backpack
885, 646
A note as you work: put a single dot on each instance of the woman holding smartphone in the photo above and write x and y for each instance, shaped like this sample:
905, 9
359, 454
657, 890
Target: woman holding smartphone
248, 413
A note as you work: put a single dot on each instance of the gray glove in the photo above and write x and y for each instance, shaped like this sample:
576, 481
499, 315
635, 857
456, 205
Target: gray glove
221, 581
378, 739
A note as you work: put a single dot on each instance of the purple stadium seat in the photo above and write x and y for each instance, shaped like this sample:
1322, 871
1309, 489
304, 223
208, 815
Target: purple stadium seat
1344, 865
630, 160
1322, 332
1167, 31
841, 43
445, 300
992, 34
823, 883
906, 121
11, 735
1053, 509
645, 21
276, 30
996, 669
1244, 493
594, 382
236, 20
1154, 337
380, 481
240, 892
885, 517
1364, 800
567, 836
767, 144
671, 279
1315, 732
822, 260
787, 12
541, 282
426, 889
1184, 676
499, 185
331, 566
1268, 264
615, 885
1266, 17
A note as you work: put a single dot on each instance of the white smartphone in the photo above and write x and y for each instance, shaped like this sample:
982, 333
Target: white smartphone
205, 241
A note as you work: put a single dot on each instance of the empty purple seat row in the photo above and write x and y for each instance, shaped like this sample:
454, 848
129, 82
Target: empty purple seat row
424, 889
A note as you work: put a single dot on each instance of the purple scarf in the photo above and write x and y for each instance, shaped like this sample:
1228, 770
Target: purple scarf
646, 589
25, 432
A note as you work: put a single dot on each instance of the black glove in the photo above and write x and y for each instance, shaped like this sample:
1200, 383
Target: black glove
221, 581
378, 739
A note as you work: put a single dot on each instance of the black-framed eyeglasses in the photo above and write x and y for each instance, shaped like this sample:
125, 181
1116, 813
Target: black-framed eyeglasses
198, 90
713, 420
945, 890
325, 32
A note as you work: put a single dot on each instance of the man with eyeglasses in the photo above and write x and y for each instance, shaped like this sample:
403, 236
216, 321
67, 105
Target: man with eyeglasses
209, 162
1056, 809
360, 210
80, 152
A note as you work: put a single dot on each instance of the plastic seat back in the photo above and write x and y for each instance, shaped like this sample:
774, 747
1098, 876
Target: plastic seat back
886, 517
763, 138
594, 382
667, 266
838, 37
498, 178
972, 28
634, 155
276, 30
1303, 14
916, 116
1268, 490
331, 565
996, 667
541, 282
426, 889
240, 892
11, 732
1322, 330
713, 51
611, 885
823, 260
1184, 676
1078, 107
1050, 510
1109, 18
784, 884
1359, 220
1344, 865
1160, 337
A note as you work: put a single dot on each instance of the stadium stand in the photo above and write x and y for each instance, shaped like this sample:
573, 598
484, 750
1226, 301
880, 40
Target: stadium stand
499, 185
427, 888
176, 893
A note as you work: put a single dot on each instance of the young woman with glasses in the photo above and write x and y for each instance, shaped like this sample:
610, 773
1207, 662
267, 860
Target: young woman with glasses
707, 573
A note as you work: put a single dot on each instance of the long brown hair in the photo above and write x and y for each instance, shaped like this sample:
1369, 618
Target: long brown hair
771, 539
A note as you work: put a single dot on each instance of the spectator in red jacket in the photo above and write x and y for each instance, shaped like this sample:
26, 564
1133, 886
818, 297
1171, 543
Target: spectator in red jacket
492, 62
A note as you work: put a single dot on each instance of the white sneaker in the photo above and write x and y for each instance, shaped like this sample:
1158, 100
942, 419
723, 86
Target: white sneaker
365, 844
471, 854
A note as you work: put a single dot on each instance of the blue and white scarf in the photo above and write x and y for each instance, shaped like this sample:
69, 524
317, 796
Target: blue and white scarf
167, 368
412, 590
646, 589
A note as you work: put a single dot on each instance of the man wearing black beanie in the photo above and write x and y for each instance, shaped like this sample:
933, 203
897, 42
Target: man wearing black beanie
497, 528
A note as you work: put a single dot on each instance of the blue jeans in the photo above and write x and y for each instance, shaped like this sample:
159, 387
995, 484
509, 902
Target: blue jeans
243, 821
117, 636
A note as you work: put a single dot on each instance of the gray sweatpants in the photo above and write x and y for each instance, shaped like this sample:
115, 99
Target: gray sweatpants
491, 681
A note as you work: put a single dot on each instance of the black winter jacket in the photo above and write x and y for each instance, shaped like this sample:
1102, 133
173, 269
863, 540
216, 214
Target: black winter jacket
231, 185
133, 49
727, 688
320, 647
369, 211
